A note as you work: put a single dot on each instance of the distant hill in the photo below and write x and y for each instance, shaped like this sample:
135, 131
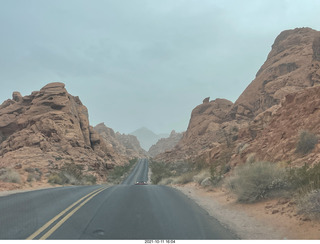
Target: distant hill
165, 144
147, 138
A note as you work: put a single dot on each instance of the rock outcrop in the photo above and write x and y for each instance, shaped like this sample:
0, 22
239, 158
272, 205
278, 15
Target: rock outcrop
207, 128
218, 128
49, 128
277, 141
165, 144
125, 145
292, 65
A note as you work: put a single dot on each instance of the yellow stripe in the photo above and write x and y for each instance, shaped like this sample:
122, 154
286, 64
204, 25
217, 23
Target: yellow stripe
65, 218
59, 215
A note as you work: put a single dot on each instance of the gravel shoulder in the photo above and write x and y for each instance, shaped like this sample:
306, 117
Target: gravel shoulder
268, 220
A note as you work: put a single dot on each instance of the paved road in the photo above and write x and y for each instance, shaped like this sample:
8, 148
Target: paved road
124, 211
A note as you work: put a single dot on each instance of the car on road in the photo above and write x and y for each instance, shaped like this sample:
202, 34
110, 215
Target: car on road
141, 183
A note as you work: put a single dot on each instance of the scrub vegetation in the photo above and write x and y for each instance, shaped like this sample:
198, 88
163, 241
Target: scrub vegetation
251, 182
119, 173
9, 175
71, 174
306, 143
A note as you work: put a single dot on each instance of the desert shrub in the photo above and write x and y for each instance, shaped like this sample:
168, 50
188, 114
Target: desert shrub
166, 181
10, 175
55, 179
71, 174
220, 166
33, 174
73, 170
306, 143
89, 179
203, 174
184, 178
160, 171
309, 204
305, 183
305, 178
216, 175
252, 182
178, 172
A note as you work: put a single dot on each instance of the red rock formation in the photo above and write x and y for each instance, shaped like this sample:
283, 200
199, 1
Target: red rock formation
219, 126
207, 128
48, 128
277, 142
125, 145
292, 65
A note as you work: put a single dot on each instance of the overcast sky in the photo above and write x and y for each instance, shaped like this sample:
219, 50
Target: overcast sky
137, 63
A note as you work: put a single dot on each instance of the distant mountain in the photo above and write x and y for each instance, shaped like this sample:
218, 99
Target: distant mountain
147, 138
165, 144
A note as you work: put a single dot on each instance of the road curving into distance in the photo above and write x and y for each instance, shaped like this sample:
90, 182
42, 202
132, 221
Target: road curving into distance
124, 211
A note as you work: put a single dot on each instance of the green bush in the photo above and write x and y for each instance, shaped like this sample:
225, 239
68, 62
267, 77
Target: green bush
253, 182
10, 175
306, 143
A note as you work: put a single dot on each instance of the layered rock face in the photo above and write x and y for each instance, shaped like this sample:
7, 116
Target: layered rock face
125, 145
299, 111
49, 128
207, 128
219, 126
165, 144
292, 65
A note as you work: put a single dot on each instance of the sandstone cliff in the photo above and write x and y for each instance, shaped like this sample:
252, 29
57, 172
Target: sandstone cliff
277, 141
292, 65
165, 144
48, 129
219, 128
207, 129
122, 144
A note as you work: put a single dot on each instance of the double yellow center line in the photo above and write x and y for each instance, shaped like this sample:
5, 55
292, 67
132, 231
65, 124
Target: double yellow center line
52, 225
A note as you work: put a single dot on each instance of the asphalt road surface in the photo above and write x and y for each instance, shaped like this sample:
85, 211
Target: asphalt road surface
125, 211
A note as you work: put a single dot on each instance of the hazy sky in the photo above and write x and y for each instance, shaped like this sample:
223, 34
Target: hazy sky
137, 63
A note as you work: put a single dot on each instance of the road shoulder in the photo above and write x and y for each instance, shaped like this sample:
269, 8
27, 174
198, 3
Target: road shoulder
268, 220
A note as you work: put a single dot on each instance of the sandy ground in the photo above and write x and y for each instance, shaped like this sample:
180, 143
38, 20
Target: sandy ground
268, 220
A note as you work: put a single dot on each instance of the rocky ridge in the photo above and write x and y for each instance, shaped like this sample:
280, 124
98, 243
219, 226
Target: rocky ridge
218, 127
165, 144
292, 65
126, 145
46, 130
207, 129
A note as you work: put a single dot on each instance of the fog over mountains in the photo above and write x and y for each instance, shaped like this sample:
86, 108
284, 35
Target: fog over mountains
147, 138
